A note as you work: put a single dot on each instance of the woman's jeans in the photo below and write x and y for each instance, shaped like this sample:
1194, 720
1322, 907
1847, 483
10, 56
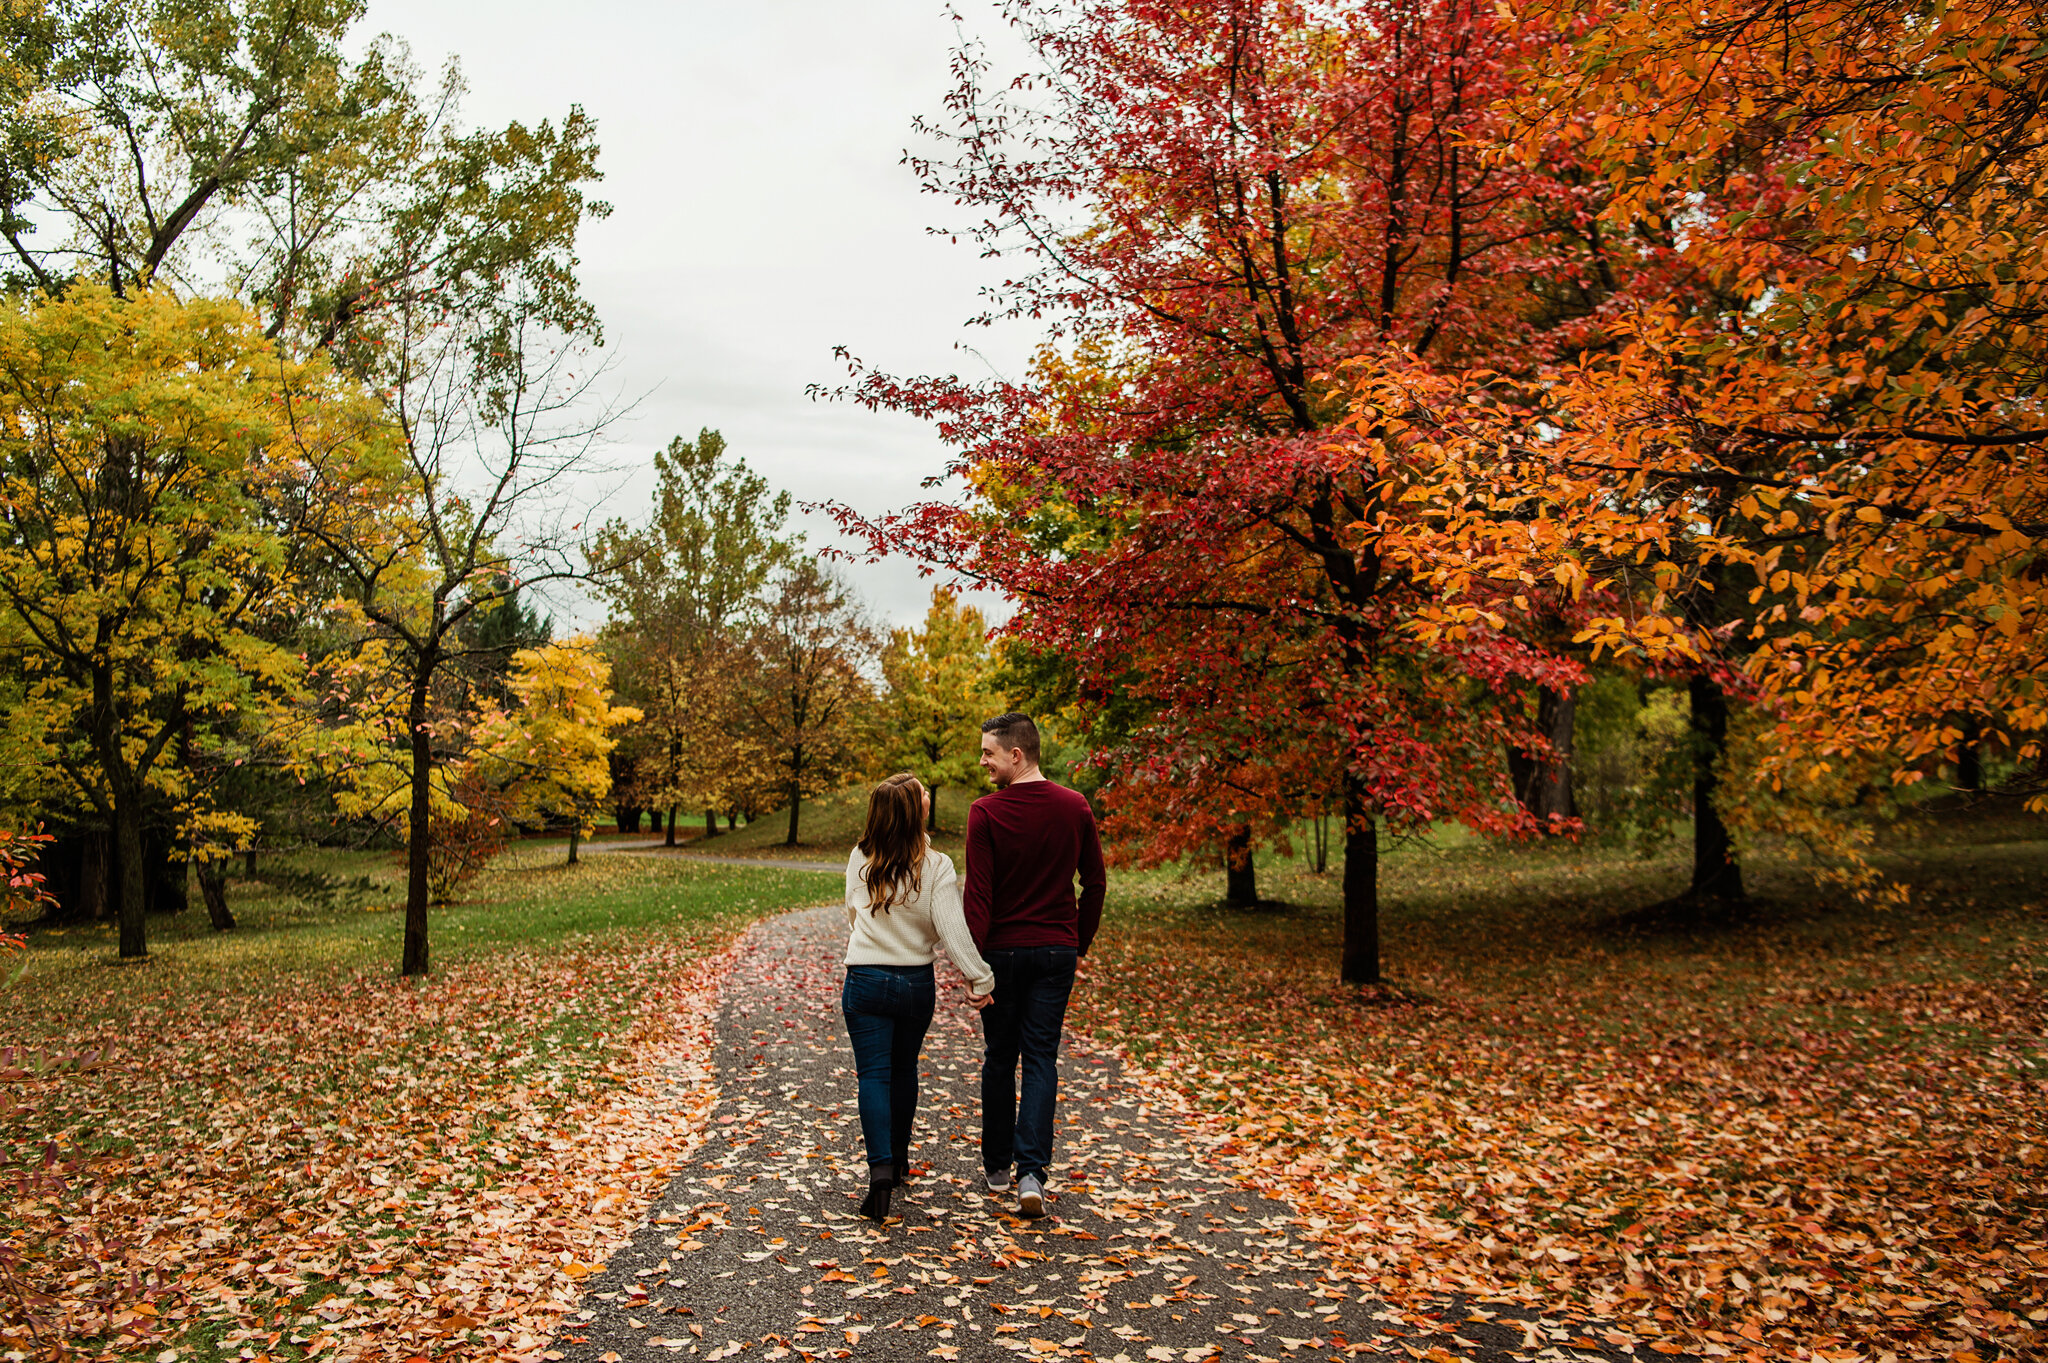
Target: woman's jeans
1023, 1021
888, 1010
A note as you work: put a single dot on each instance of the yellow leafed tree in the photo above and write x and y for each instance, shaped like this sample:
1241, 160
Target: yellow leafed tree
160, 467
939, 692
549, 753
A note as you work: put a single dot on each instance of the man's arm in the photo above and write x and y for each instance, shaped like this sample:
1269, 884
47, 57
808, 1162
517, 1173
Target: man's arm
1094, 881
974, 895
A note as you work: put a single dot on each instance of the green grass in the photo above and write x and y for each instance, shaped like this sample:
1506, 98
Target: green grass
529, 899
1462, 918
829, 826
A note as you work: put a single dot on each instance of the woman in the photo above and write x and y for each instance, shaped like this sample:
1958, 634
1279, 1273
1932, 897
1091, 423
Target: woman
902, 902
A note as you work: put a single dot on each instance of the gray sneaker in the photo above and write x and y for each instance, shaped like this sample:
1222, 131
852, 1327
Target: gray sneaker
1031, 1195
999, 1180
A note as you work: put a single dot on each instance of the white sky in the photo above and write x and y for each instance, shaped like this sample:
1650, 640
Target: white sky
760, 217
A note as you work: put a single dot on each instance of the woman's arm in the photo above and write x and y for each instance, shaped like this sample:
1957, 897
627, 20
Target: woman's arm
856, 892
951, 921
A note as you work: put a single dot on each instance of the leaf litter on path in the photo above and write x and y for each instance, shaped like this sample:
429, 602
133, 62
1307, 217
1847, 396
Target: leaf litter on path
1151, 1250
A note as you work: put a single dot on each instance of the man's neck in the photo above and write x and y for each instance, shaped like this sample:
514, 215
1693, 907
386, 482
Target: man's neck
1028, 777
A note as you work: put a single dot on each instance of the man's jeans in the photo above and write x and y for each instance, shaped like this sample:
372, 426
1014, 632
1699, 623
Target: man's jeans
888, 1010
1023, 1020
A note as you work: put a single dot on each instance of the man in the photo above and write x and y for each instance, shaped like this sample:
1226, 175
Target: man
1026, 844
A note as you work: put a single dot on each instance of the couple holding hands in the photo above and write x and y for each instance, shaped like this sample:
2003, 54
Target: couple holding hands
1015, 929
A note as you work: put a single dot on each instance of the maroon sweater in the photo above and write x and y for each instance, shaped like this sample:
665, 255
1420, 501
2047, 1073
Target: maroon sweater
1025, 845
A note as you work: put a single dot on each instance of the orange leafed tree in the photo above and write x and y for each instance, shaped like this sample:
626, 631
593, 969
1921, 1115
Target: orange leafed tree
1816, 472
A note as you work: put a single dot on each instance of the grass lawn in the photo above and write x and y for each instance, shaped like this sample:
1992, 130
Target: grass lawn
267, 1141
829, 826
1821, 1130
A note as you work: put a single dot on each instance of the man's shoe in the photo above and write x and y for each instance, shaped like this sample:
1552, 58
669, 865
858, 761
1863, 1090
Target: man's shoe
1031, 1195
999, 1180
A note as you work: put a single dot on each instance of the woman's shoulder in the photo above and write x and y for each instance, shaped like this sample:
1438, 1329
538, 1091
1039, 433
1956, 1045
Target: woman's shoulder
937, 863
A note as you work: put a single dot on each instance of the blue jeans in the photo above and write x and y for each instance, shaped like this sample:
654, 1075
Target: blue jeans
888, 1010
1023, 1021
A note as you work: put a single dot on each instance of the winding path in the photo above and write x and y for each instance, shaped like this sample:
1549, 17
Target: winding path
1149, 1251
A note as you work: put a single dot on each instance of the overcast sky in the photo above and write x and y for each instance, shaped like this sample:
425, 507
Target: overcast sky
760, 217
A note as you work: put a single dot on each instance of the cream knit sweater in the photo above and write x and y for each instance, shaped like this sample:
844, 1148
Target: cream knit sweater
910, 932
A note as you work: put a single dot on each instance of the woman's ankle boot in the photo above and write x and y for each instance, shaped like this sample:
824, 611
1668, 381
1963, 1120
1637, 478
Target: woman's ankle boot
875, 1206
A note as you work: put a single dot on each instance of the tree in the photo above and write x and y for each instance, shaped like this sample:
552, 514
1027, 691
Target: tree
1268, 196
1829, 457
493, 422
807, 702
550, 753
21, 884
939, 692
156, 458
684, 585
237, 147
494, 638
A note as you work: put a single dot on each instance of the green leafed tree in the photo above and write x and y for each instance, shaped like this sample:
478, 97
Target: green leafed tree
240, 146
939, 691
682, 589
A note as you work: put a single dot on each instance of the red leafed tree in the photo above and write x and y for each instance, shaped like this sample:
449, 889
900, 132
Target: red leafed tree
1247, 223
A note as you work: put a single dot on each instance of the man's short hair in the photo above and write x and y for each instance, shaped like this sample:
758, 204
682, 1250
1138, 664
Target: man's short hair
1014, 730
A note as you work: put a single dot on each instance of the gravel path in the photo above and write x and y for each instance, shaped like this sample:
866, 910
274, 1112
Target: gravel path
1148, 1251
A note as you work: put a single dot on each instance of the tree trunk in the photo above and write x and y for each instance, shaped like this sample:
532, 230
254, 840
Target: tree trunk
213, 890
97, 888
1322, 843
796, 789
1240, 877
419, 827
1970, 757
75, 870
575, 841
1361, 960
249, 864
627, 818
933, 823
1543, 782
1555, 712
710, 824
732, 820
131, 870
167, 878
1716, 874
670, 839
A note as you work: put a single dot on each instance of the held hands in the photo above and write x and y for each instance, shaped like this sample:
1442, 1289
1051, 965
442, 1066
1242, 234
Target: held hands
979, 1001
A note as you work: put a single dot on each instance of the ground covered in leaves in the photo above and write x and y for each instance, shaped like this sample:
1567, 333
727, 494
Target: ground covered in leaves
264, 1144
1817, 1131
1150, 1251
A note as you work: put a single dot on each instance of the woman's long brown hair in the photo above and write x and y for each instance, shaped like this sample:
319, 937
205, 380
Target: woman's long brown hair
894, 842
